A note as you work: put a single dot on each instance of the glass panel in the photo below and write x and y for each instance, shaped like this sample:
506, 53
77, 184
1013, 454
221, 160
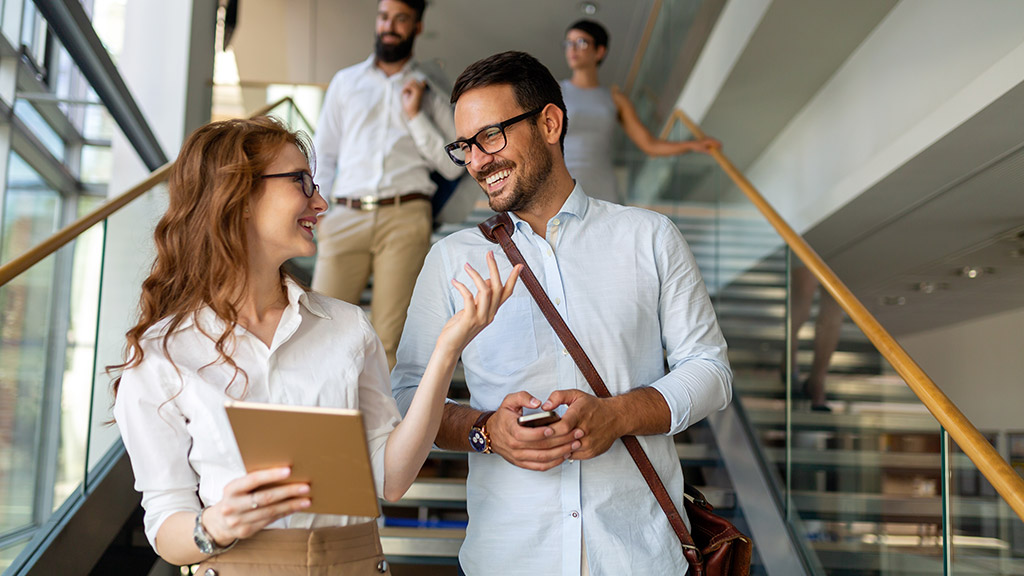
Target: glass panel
30, 213
39, 127
9, 552
79, 356
987, 536
127, 253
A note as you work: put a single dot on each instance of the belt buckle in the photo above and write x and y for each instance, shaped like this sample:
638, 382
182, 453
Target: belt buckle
368, 203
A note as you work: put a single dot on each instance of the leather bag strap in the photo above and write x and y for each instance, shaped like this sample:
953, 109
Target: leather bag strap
498, 229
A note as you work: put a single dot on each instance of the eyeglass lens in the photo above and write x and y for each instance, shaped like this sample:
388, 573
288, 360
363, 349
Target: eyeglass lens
579, 43
491, 140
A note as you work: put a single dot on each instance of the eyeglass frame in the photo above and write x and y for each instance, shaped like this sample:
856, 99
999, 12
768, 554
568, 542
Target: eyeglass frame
473, 141
298, 174
579, 43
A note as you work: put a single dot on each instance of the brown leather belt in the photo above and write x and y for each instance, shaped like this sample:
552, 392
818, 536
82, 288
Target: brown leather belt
370, 203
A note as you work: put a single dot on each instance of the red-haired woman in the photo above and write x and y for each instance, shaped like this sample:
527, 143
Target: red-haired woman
220, 320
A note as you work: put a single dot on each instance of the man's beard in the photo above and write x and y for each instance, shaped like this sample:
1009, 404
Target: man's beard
393, 52
536, 168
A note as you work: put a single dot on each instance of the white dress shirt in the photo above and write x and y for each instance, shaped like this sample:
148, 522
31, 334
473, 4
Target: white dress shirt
365, 145
627, 285
172, 418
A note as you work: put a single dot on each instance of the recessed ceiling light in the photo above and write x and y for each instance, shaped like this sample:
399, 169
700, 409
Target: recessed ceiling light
892, 300
588, 8
926, 287
970, 272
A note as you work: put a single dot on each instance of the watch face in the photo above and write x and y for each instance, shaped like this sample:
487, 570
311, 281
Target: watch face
477, 440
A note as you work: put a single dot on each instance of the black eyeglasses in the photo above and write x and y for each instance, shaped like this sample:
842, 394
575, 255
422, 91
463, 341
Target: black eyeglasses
308, 186
579, 43
490, 139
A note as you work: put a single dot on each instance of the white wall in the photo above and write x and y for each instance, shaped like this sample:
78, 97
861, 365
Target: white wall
980, 366
928, 67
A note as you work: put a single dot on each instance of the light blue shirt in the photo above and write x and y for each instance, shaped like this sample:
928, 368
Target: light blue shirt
628, 286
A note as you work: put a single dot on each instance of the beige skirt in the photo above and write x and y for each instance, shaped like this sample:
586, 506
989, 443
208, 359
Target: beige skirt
345, 551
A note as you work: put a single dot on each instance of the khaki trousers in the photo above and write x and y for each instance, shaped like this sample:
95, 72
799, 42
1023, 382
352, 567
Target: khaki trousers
343, 551
390, 243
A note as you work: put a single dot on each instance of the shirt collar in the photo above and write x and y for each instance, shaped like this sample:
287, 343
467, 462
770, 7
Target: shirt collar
576, 205
209, 322
299, 294
371, 64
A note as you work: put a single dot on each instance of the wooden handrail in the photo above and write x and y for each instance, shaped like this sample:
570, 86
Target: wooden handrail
61, 237
641, 49
1005, 480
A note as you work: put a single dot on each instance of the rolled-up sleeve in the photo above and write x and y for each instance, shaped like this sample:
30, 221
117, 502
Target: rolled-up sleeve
699, 381
158, 443
429, 310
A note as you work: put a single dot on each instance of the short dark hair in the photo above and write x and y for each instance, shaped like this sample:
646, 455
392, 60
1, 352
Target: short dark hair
596, 31
531, 81
418, 5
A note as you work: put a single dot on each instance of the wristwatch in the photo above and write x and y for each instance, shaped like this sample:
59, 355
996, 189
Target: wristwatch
205, 542
478, 437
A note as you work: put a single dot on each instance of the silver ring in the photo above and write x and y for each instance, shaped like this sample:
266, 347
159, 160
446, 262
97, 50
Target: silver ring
255, 504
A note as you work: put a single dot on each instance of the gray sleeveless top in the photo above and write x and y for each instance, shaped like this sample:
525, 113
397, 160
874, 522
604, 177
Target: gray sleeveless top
588, 143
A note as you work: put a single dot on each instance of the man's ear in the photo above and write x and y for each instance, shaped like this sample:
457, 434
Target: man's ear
602, 51
553, 118
419, 28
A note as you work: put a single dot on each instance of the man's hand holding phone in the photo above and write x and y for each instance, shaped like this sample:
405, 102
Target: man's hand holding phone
529, 439
538, 419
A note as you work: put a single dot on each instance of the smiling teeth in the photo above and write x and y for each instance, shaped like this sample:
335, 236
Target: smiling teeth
498, 176
306, 224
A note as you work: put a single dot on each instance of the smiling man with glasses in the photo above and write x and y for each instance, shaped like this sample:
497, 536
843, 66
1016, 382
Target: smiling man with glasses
380, 135
627, 285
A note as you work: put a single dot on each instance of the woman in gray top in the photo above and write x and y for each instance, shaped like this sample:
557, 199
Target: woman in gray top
593, 113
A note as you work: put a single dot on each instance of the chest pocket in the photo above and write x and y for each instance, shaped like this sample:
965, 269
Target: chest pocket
509, 343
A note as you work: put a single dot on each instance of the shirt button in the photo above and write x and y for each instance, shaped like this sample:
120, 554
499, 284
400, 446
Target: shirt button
575, 514
565, 352
382, 566
558, 301
555, 221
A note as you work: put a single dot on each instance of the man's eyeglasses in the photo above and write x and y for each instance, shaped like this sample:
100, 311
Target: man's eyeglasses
308, 187
579, 44
490, 139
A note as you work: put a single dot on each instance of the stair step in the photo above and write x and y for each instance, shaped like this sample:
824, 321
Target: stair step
860, 507
843, 387
411, 545
883, 422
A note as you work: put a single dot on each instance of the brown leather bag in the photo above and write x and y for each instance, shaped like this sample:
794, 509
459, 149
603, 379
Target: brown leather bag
716, 548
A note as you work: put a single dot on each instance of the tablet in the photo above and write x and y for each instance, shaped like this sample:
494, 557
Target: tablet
325, 447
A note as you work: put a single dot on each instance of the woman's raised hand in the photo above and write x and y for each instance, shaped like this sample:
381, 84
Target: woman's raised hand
478, 310
250, 504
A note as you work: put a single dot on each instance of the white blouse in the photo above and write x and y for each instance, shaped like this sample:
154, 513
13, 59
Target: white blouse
172, 418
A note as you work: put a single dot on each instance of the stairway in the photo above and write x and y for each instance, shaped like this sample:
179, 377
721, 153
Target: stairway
865, 479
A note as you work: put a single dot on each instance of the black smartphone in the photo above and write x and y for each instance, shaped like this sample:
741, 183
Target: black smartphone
536, 419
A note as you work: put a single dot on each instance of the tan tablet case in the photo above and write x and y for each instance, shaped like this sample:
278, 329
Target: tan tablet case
324, 446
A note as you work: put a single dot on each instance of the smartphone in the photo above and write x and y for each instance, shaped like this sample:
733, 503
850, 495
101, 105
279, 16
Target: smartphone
536, 419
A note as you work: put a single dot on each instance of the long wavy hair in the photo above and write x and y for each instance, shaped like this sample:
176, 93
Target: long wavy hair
202, 256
